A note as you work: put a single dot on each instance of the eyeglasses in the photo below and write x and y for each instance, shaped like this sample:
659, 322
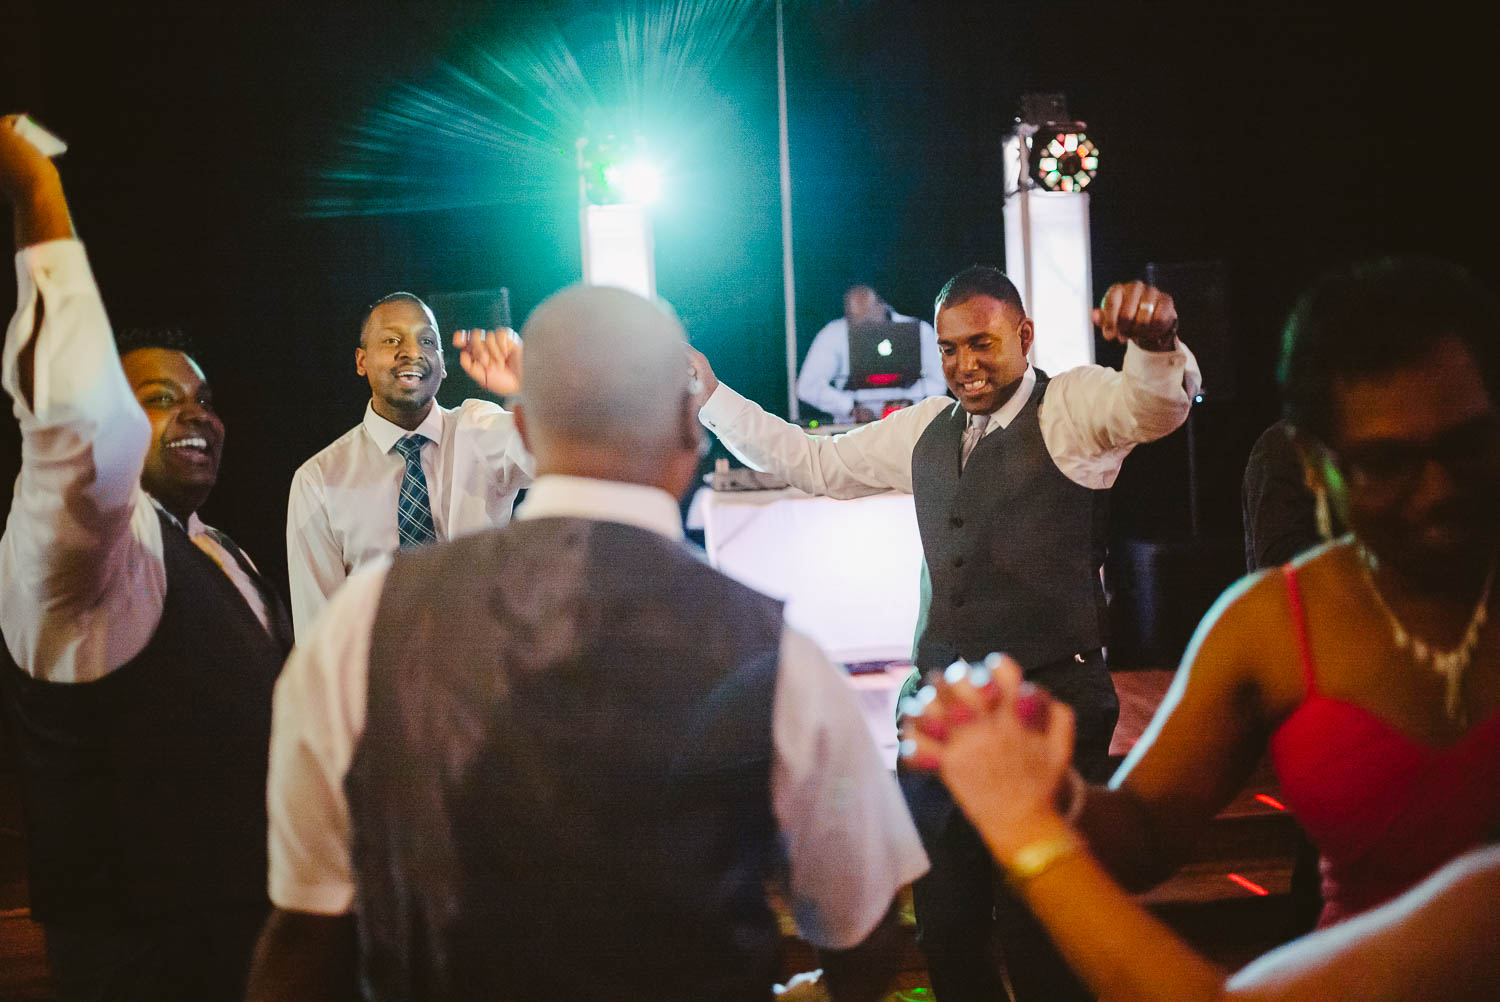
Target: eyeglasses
1388, 471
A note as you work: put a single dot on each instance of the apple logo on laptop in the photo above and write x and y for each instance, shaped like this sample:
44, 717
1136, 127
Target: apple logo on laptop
884, 347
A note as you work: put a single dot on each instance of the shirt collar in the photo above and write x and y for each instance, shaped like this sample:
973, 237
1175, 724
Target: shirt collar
557, 496
195, 525
384, 434
1005, 415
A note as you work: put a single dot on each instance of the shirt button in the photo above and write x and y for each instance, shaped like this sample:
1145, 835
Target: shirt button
958, 561
956, 522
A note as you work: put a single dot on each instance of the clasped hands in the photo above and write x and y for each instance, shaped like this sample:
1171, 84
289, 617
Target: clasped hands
1001, 745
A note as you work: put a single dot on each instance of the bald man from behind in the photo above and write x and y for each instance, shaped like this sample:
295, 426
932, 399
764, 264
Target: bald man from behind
566, 757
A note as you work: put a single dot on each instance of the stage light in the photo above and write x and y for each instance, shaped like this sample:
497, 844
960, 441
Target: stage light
615, 172
615, 186
1047, 255
637, 181
1063, 159
1049, 162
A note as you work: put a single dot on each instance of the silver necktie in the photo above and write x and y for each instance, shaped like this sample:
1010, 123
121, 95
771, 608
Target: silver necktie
972, 434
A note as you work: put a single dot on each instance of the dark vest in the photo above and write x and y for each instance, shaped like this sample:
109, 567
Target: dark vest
1012, 547
563, 784
145, 790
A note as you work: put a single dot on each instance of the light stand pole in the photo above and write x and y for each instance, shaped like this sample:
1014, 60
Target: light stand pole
788, 278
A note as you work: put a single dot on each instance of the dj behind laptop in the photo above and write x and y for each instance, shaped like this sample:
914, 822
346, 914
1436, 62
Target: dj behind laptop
885, 355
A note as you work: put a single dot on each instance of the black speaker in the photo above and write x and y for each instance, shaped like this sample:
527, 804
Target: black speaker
1159, 590
1201, 291
455, 311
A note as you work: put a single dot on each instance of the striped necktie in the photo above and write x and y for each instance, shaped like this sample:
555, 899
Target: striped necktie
972, 435
413, 509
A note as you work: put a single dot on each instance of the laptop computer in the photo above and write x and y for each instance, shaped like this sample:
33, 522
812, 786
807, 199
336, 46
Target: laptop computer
884, 354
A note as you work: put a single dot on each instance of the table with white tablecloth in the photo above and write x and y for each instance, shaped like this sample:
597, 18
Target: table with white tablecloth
848, 572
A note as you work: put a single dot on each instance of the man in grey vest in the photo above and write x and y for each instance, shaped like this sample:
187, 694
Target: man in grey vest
1011, 487
562, 758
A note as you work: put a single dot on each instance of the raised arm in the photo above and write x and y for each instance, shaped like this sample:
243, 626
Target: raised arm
1092, 416
867, 460
493, 359
68, 537
33, 188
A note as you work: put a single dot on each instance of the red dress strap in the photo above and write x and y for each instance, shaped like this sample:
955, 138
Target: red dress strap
1299, 624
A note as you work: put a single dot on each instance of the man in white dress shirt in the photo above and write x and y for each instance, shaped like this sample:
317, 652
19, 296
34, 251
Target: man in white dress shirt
1011, 487
141, 645
825, 370
363, 496
563, 757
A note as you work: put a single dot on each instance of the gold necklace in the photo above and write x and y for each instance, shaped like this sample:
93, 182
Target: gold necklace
1450, 664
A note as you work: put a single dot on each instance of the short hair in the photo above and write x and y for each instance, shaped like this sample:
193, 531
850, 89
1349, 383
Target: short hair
393, 297
1373, 318
167, 338
606, 366
978, 280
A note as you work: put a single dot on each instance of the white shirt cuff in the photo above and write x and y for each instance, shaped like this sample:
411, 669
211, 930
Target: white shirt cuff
316, 899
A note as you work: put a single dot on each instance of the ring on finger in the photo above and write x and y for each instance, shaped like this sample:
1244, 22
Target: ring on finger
1149, 307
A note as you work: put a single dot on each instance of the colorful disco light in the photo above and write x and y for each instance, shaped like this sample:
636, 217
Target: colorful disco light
1067, 161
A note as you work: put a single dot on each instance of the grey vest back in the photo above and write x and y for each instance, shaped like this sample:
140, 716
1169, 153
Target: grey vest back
1012, 548
563, 787
145, 790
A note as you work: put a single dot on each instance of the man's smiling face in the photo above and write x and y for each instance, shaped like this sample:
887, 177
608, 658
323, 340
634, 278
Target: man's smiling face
984, 344
187, 437
400, 355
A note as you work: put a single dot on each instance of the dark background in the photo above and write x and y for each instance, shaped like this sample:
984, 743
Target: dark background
256, 173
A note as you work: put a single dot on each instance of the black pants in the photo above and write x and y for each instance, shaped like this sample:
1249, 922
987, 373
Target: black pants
967, 922
203, 957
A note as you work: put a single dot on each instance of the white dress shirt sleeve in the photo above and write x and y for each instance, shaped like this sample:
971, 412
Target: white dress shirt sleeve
1092, 416
81, 555
872, 458
314, 559
318, 715
497, 444
821, 367
850, 841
